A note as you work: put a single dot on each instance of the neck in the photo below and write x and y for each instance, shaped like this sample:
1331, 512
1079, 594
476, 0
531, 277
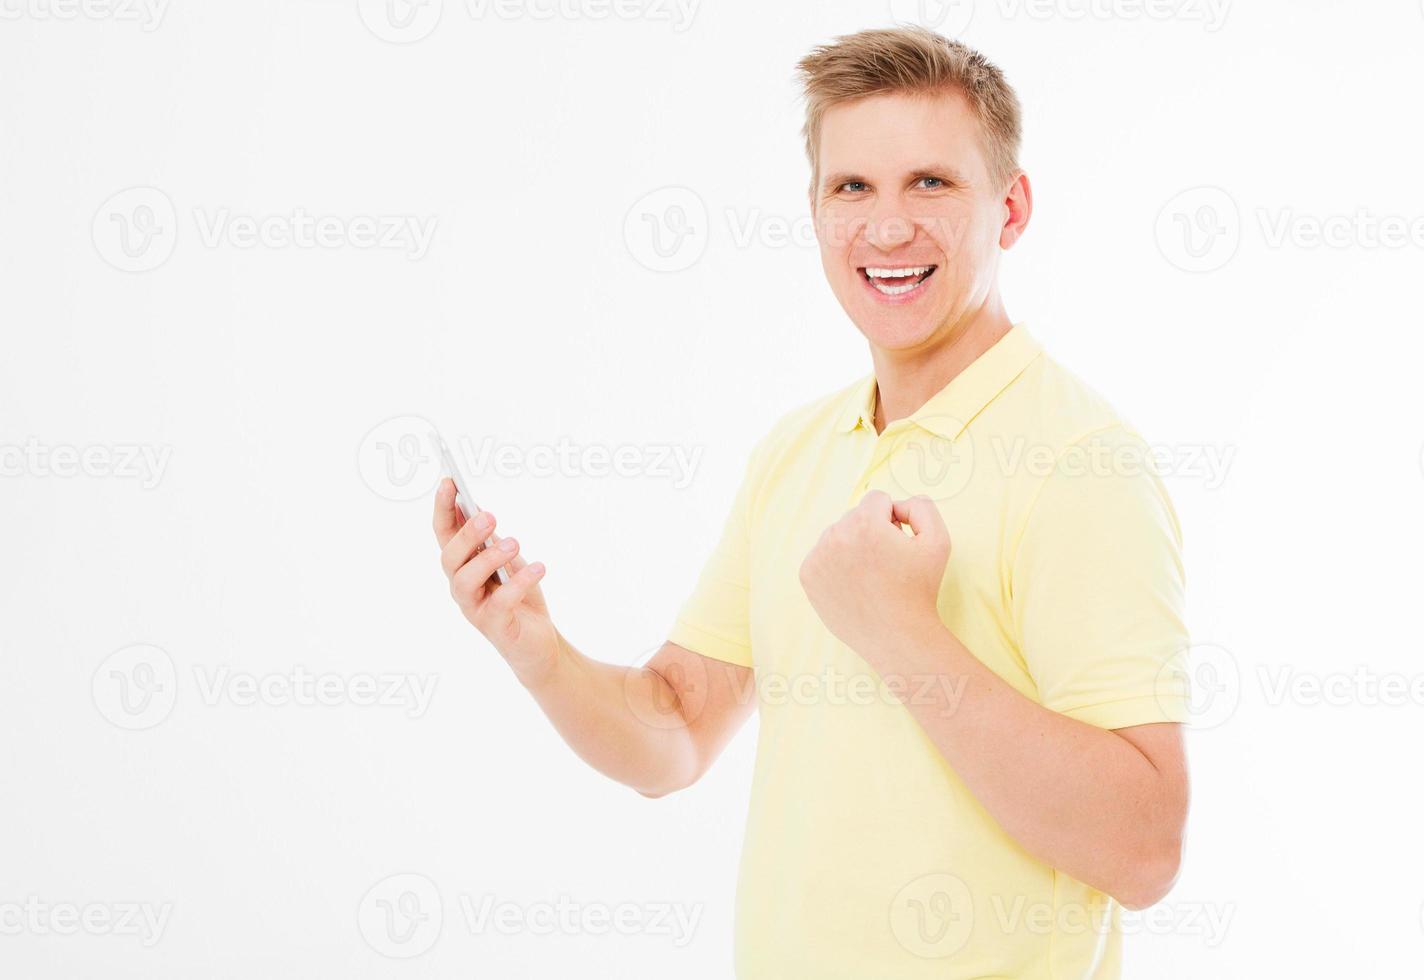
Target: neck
906, 379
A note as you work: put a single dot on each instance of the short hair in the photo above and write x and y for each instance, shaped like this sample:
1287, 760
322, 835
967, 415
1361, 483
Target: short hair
912, 61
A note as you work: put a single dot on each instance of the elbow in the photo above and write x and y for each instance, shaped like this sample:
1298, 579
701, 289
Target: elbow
1153, 864
1152, 876
658, 792
669, 783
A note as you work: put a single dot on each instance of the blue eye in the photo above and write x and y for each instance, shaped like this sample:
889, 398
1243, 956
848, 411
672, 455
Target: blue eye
935, 182
853, 186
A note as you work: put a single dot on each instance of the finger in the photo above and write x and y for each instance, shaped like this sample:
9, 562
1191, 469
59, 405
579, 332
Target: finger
921, 514
466, 542
877, 504
468, 581
447, 518
503, 600
514, 564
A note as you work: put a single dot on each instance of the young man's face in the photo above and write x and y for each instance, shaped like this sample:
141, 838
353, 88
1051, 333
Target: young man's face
904, 188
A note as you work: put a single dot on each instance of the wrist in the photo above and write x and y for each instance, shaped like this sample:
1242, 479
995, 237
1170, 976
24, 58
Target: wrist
538, 672
908, 638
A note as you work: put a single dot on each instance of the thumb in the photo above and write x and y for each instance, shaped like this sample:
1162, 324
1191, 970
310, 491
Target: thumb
923, 517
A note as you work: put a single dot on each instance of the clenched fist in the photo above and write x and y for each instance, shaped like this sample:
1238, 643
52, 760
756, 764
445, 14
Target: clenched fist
869, 581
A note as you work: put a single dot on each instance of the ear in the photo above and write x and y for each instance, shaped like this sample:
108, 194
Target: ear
1018, 208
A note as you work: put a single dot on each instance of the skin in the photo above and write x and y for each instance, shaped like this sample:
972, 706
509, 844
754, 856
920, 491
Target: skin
655, 728
901, 181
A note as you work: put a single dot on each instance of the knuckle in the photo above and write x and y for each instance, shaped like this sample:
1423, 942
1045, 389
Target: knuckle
455, 555
808, 568
463, 585
502, 601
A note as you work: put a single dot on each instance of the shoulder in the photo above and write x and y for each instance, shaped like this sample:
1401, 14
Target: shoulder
1093, 470
1056, 408
808, 423
1068, 455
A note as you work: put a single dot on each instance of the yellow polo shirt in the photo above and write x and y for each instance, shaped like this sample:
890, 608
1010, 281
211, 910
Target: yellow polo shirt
866, 857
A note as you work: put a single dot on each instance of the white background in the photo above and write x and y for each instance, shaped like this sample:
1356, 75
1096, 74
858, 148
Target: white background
275, 381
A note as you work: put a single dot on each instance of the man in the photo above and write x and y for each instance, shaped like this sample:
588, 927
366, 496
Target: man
955, 585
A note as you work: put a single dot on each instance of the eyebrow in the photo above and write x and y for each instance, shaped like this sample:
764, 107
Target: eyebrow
941, 170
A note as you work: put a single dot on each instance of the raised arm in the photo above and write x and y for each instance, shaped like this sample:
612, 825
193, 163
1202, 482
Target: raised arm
655, 728
1107, 807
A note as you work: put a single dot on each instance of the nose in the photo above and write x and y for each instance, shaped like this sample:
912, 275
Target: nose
889, 226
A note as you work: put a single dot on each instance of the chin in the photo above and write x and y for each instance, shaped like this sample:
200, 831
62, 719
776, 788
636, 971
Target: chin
902, 316
897, 330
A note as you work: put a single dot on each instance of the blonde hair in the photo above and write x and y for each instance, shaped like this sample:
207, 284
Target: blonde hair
912, 61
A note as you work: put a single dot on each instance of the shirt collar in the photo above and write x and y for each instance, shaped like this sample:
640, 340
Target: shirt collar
950, 409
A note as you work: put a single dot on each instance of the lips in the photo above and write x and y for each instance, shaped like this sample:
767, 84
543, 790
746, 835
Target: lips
896, 281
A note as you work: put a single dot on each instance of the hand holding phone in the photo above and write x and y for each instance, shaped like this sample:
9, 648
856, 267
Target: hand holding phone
463, 500
505, 604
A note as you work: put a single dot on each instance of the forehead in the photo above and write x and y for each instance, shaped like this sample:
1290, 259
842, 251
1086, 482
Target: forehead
896, 132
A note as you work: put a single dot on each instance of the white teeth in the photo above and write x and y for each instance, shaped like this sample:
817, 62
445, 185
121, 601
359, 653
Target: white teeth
886, 289
879, 273
895, 290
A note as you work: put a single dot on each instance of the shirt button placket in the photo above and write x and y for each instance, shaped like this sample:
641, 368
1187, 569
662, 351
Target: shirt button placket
884, 446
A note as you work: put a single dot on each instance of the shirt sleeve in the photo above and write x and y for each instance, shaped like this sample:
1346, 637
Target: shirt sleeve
1098, 588
714, 620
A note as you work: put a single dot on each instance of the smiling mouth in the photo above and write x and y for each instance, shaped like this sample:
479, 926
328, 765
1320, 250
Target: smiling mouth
896, 281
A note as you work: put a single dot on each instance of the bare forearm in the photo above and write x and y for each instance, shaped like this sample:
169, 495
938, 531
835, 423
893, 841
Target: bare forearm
1083, 800
622, 721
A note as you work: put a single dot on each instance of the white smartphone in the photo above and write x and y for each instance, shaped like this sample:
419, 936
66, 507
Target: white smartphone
463, 500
